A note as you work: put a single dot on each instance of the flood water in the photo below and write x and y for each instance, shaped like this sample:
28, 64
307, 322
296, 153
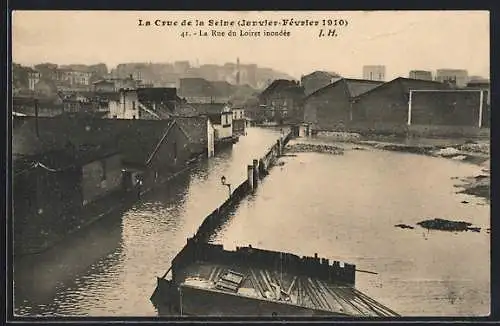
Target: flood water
341, 207
344, 207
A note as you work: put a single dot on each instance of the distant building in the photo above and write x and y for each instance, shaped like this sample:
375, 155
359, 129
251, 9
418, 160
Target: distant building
374, 72
104, 86
47, 106
125, 106
158, 102
198, 90
181, 67
331, 107
46, 88
318, 79
33, 79
282, 100
239, 121
458, 77
420, 74
220, 116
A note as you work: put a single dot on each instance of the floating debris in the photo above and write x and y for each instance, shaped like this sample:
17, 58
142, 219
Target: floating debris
480, 190
328, 149
481, 176
404, 226
447, 225
406, 148
447, 152
459, 157
464, 202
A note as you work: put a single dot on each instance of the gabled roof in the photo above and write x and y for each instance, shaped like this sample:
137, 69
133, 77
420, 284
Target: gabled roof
278, 85
322, 73
407, 84
353, 87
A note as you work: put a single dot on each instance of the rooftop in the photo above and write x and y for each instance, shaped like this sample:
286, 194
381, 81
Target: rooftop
407, 84
354, 87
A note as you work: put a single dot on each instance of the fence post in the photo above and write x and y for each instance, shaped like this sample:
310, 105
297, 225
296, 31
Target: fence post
255, 173
250, 177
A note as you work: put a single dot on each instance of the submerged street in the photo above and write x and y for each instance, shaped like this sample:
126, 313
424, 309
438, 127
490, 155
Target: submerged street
340, 206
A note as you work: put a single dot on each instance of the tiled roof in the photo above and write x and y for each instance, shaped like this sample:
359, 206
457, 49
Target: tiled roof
194, 127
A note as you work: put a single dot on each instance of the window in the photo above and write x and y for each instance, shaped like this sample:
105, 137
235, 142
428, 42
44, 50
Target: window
133, 105
133, 117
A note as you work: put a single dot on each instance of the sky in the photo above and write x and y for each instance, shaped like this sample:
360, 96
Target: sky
400, 40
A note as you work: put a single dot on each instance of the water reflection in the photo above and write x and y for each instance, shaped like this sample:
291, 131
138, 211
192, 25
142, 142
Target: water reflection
111, 269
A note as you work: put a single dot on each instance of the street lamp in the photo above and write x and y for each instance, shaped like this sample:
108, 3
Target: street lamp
223, 182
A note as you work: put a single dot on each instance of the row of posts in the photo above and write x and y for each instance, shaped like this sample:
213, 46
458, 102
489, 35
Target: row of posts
253, 171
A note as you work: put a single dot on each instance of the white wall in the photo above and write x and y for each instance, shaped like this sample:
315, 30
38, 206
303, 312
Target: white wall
227, 121
126, 107
238, 114
210, 138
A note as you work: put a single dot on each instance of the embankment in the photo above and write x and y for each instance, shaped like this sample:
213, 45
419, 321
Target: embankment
256, 171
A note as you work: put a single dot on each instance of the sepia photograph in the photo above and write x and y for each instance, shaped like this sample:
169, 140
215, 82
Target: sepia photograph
250, 164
